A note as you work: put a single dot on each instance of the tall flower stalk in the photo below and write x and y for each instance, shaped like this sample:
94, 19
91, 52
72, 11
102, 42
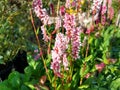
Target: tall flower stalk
59, 54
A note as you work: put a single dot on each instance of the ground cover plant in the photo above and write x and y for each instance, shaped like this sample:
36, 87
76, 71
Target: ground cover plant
78, 47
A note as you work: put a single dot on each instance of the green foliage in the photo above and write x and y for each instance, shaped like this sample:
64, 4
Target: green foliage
26, 81
115, 85
15, 26
100, 46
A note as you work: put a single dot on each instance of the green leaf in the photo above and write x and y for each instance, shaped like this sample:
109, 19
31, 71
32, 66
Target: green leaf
44, 87
14, 79
115, 84
3, 87
32, 62
90, 40
23, 87
37, 32
83, 87
1, 60
101, 88
88, 58
30, 85
28, 72
75, 79
59, 87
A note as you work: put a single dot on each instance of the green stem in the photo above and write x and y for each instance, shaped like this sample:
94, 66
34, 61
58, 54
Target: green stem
58, 5
39, 46
87, 49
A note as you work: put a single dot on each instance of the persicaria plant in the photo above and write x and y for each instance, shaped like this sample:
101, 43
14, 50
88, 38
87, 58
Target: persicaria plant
68, 29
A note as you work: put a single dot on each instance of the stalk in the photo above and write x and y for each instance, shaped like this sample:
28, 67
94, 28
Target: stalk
58, 5
39, 46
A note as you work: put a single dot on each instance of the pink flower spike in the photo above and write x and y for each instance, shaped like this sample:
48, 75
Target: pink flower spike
69, 24
109, 3
56, 68
104, 9
100, 66
45, 36
65, 62
103, 19
52, 11
73, 4
67, 4
62, 10
76, 42
58, 23
58, 54
111, 13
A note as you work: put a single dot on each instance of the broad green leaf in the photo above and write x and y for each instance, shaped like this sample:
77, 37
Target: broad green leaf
3, 87
115, 84
28, 72
23, 87
14, 79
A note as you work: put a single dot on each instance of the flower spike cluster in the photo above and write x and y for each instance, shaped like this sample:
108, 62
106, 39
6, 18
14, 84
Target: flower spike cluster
59, 54
96, 8
76, 42
69, 24
44, 17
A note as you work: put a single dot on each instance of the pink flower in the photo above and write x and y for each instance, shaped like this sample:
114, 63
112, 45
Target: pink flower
87, 75
58, 23
76, 42
61, 42
73, 4
56, 68
103, 19
37, 6
36, 50
72, 33
90, 29
104, 9
37, 57
52, 11
40, 12
65, 62
58, 53
37, 3
69, 24
109, 3
45, 36
110, 13
62, 10
67, 4
96, 6
100, 66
